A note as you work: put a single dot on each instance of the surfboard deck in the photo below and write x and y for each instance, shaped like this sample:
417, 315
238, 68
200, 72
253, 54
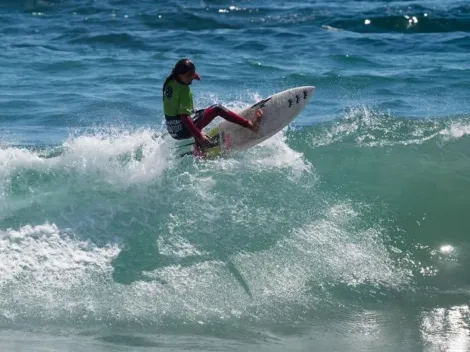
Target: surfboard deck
278, 111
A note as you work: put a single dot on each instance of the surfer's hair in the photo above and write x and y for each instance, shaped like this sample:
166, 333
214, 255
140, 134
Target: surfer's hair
182, 66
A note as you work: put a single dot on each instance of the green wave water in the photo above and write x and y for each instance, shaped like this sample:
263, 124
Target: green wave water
324, 216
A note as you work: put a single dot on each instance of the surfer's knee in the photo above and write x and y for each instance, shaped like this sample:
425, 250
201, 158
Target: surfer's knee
219, 108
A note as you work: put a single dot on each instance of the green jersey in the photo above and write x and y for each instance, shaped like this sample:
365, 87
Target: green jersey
177, 99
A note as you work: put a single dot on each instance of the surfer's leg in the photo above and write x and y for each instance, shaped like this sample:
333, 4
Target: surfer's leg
218, 110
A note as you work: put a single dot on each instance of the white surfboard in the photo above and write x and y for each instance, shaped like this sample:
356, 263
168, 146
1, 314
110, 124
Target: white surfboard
278, 111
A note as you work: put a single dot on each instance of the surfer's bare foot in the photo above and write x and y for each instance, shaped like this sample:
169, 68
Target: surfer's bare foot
254, 124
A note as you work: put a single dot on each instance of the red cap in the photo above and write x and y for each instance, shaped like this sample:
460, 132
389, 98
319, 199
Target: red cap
196, 76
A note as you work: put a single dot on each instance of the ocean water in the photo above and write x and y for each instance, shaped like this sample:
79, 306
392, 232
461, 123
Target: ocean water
347, 231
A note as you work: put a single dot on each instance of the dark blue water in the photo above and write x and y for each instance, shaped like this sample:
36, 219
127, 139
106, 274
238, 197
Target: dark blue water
346, 231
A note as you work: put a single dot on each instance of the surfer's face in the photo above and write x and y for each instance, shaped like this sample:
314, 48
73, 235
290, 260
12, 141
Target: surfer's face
188, 77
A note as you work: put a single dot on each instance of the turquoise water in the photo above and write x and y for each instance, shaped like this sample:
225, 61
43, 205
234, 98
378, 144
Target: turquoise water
348, 231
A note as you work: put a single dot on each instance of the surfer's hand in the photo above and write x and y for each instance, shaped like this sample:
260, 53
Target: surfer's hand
204, 141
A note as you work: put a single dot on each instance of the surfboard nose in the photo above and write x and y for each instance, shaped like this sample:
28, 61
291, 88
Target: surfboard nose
310, 88
307, 91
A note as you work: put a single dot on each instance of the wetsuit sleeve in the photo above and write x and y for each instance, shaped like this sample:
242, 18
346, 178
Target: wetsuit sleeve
188, 122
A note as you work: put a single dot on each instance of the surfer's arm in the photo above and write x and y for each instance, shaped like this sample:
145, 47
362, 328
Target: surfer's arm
186, 108
195, 132
189, 124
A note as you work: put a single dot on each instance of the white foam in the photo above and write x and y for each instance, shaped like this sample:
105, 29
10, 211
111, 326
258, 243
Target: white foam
116, 157
45, 251
12, 158
455, 130
50, 274
374, 129
176, 245
272, 154
103, 153
276, 153
328, 250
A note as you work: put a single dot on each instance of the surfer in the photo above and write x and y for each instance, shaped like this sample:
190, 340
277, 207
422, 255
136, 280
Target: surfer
178, 107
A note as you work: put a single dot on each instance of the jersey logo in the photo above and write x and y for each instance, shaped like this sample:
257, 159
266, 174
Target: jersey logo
168, 92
